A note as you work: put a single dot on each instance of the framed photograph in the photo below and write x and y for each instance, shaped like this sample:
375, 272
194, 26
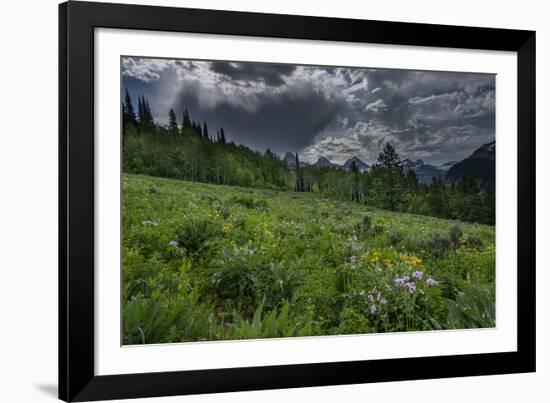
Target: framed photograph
256, 201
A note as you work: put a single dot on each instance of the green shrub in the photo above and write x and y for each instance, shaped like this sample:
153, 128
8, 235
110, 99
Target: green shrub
247, 278
277, 323
435, 245
352, 321
165, 319
235, 278
475, 309
378, 230
474, 241
195, 233
364, 227
251, 203
455, 234
395, 238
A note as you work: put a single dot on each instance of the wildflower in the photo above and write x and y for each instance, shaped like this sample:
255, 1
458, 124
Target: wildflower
419, 275
411, 286
353, 259
373, 309
383, 301
346, 264
149, 222
173, 243
431, 282
399, 281
370, 298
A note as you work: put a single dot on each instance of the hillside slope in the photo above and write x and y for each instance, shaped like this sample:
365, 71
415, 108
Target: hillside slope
216, 262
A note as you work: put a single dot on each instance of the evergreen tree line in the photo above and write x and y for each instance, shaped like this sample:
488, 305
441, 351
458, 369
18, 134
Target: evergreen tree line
387, 186
188, 151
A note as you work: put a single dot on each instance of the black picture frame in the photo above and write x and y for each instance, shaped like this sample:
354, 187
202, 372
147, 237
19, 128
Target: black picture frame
77, 379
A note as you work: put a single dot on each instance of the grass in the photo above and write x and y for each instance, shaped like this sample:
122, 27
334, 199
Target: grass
213, 262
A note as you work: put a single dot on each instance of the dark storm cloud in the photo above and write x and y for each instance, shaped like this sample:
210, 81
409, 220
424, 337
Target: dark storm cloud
270, 74
282, 122
335, 112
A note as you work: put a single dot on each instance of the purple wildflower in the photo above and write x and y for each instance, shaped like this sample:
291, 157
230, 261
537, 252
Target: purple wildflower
383, 301
431, 282
411, 286
346, 264
399, 281
419, 275
173, 243
353, 259
373, 309
370, 298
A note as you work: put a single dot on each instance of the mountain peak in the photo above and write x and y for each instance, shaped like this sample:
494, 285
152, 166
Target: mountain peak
324, 162
479, 165
485, 151
362, 166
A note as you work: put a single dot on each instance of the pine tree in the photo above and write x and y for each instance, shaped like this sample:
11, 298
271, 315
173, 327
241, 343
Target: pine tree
412, 180
299, 177
186, 122
145, 116
436, 198
389, 160
390, 179
172, 122
222, 136
141, 114
147, 110
128, 114
354, 188
205, 131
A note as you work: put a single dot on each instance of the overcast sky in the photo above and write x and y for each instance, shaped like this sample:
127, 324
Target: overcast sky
335, 112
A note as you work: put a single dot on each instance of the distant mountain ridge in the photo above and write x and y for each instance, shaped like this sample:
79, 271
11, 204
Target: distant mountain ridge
424, 172
323, 162
479, 165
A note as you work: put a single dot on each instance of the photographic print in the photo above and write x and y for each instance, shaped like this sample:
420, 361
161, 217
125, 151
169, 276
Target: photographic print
275, 200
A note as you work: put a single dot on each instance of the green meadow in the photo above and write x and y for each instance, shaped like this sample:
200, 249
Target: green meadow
216, 262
